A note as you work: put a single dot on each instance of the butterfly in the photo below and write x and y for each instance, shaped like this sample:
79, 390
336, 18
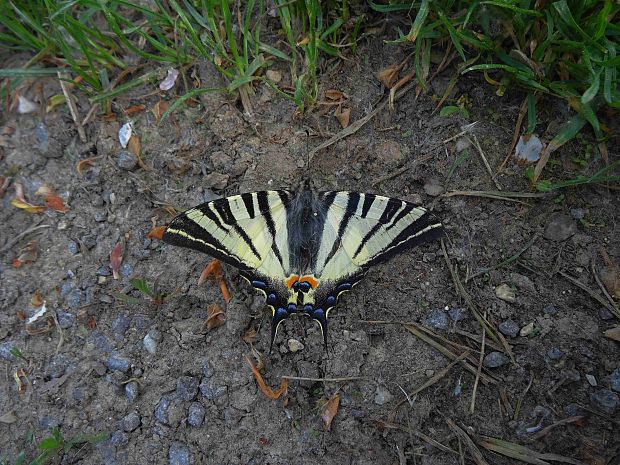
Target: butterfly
303, 249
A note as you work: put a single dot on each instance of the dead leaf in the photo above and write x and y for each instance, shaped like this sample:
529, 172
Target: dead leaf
116, 258
134, 145
84, 164
330, 409
270, 393
132, 110
250, 336
20, 202
52, 199
613, 333
334, 94
304, 41
27, 254
157, 232
54, 101
159, 109
216, 316
343, 116
36, 300
388, 76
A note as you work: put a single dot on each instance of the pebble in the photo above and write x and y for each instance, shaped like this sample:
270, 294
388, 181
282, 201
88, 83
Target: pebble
605, 314
509, 328
78, 394
382, 396
120, 325
294, 345
216, 181
433, 187
577, 213
161, 411
58, 365
100, 341
506, 293
48, 421
522, 282
74, 298
5, 351
74, 248
196, 414
126, 160
126, 270
131, 391
573, 410
187, 387
118, 438
178, 454
526, 330
130, 422
104, 271
89, 241
560, 228
591, 380
65, 289
457, 314
571, 375
115, 363
495, 360
141, 323
149, 343
550, 310
42, 136
614, 380
207, 369
437, 319
605, 400
555, 353
65, 319
100, 217
210, 392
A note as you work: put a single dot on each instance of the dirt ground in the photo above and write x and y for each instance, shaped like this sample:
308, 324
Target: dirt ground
166, 390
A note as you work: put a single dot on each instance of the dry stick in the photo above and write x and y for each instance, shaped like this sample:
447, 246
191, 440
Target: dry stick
565, 421
592, 294
353, 128
72, 107
515, 136
468, 128
600, 284
17, 238
485, 161
495, 195
463, 436
472, 406
522, 398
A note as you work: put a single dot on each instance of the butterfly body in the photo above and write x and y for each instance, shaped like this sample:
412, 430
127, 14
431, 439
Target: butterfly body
302, 249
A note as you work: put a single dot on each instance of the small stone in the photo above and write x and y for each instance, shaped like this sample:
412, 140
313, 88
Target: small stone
187, 387
550, 310
522, 282
506, 293
100, 216
65, 319
74, 298
48, 422
127, 160
150, 345
210, 392
560, 228
216, 181
457, 314
117, 364
573, 410
614, 380
89, 241
178, 454
495, 360
433, 188
605, 314
131, 391
196, 414
571, 375
74, 248
526, 330
130, 422
207, 369
273, 75
118, 438
58, 365
126, 270
509, 328
429, 373
78, 394
294, 345
120, 325
5, 351
104, 271
577, 213
437, 319
605, 400
42, 136
591, 380
382, 396
555, 353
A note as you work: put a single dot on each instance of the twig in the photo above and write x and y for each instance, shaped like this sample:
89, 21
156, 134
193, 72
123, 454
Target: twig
591, 293
515, 136
391, 175
72, 108
472, 406
468, 128
463, 436
420, 435
600, 284
485, 161
496, 195
22, 234
522, 397
565, 421
356, 126
506, 262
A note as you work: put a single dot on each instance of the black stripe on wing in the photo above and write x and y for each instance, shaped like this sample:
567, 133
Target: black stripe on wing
223, 208
353, 200
388, 213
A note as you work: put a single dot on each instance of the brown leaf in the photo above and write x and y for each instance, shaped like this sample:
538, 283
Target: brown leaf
109, 117
388, 76
334, 94
250, 336
27, 254
84, 164
19, 200
613, 333
36, 300
134, 145
270, 393
159, 109
52, 199
343, 116
157, 232
330, 409
134, 109
216, 316
116, 258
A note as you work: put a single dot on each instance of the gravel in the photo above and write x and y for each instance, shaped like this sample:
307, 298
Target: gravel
131, 391
509, 328
614, 380
383, 396
207, 369
211, 392
178, 454
187, 388
457, 314
555, 353
495, 360
196, 414
65, 319
605, 400
130, 422
437, 319
115, 363
126, 160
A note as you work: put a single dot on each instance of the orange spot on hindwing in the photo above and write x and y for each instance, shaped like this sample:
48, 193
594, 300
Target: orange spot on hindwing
310, 280
291, 280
